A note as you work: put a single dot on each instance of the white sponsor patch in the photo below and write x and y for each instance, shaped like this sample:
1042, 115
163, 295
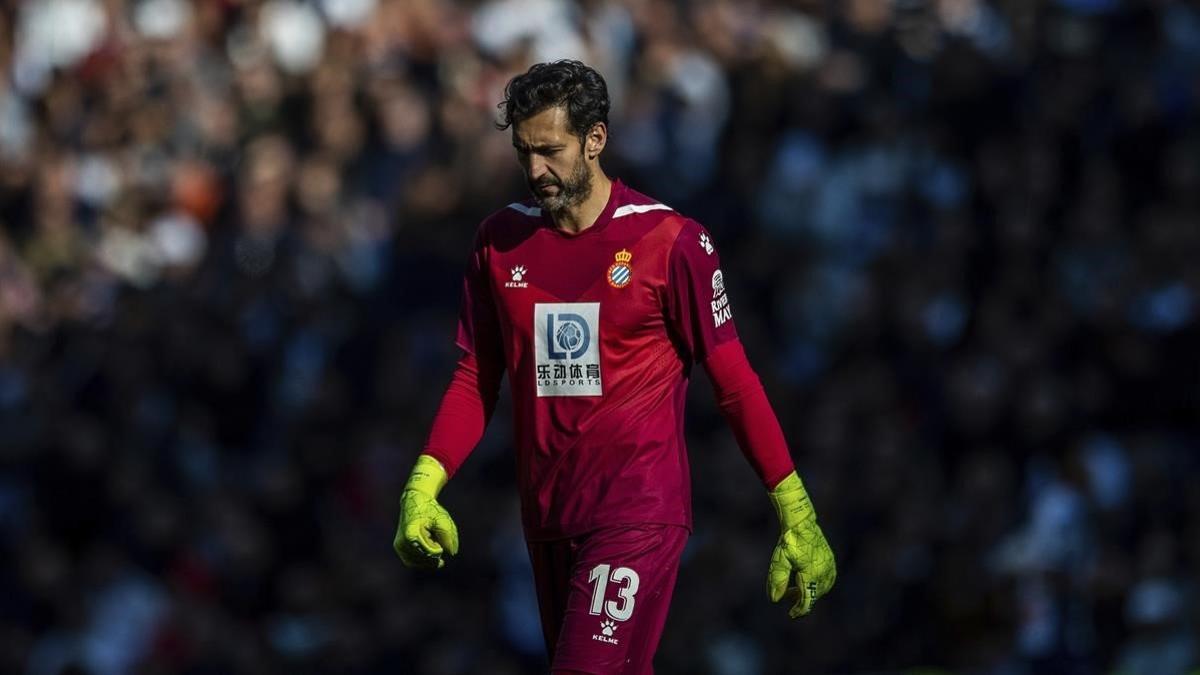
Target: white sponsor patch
566, 338
721, 310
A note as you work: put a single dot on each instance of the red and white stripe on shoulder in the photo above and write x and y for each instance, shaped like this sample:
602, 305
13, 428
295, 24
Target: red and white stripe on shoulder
628, 209
635, 203
525, 209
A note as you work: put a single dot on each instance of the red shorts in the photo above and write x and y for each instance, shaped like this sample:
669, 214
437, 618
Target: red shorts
604, 596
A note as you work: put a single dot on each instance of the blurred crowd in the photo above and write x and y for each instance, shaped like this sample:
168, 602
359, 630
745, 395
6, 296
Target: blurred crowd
960, 237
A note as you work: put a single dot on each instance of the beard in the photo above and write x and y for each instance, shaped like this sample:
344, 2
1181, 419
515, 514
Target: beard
571, 192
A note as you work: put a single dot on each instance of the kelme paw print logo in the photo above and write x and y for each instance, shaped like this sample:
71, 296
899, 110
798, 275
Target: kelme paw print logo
608, 628
706, 243
518, 273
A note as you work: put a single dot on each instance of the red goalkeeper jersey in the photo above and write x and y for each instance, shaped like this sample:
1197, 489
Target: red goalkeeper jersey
598, 332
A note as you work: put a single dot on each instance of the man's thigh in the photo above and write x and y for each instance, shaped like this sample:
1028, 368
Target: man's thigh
604, 608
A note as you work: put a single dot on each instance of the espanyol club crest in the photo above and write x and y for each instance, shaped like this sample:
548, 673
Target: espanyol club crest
620, 273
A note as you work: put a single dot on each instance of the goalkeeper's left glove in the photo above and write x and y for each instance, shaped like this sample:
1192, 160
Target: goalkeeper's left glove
801, 552
425, 529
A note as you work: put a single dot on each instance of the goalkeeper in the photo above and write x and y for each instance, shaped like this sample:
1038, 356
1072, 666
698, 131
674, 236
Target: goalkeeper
598, 300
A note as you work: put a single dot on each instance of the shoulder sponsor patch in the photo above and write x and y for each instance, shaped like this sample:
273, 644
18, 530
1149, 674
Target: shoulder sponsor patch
721, 311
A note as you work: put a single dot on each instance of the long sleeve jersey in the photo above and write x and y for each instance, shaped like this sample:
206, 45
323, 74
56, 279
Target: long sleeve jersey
598, 332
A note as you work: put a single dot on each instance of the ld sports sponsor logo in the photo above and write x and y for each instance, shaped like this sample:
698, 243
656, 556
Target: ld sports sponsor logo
567, 347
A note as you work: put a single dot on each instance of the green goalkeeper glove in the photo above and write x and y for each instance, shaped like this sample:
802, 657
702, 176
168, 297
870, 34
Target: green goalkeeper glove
801, 551
425, 530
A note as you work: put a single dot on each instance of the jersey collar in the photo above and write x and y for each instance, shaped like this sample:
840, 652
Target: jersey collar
615, 197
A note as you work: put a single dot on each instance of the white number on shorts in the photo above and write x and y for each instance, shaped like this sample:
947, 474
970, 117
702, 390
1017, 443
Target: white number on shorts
629, 581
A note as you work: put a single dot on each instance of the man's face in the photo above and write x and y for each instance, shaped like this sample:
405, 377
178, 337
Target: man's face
552, 158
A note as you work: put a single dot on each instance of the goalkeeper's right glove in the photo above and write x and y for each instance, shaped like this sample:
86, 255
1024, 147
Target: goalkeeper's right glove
425, 530
802, 566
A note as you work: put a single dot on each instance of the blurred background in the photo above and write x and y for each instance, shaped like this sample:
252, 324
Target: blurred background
961, 238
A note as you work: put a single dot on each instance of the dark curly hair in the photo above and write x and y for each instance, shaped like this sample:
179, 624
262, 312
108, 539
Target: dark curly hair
571, 83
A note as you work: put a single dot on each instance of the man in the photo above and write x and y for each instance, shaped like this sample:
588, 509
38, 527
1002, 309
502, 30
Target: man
598, 300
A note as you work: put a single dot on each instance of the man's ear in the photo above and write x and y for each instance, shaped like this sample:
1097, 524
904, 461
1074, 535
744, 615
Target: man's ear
595, 140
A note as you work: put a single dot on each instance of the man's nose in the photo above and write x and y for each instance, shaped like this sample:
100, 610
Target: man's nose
537, 168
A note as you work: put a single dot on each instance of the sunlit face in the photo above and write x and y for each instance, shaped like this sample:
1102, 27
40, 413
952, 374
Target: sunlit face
552, 158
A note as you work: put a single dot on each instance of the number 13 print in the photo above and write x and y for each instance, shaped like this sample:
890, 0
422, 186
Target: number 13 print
628, 579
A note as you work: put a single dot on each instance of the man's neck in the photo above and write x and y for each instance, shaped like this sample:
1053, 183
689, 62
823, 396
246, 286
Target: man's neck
580, 217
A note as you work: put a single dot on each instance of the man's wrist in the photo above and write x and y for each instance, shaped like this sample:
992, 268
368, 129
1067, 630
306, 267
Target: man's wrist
791, 502
428, 476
